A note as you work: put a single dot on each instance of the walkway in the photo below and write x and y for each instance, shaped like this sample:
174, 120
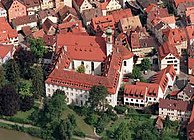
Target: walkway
19, 124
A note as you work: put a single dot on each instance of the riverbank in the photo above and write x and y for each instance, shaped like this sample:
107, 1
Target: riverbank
6, 134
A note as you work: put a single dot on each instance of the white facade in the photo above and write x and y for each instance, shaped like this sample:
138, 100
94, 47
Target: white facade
85, 5
3, 12
170, 60
33, 10
47, 4
173, 114
14, 41
19, 27
52, 18
127, 66
91, 67
68, 3
113, 5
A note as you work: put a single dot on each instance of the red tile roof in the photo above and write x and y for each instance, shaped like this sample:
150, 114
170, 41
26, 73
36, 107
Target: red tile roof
175, 36
73, 79
102, 23
174, 93
151, 7
191, 63
80, 49
158, 13
5, 49
190, 31
174, 105
124, 13
6, 32
152, 88
47, 25
135, 91
125, 53
166, 49
177, 2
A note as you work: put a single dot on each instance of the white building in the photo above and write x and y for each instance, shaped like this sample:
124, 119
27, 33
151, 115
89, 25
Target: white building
143, 94
81, 5
175, 109
168, 55
3, 12
106, 68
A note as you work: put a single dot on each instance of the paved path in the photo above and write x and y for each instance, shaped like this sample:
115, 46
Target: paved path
19, 124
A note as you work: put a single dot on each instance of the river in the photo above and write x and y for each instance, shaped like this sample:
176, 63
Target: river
6, 134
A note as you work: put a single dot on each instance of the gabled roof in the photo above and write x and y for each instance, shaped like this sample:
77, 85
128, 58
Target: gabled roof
135, 91
88, 14
8, 3
45, 13
31, 3
79, 2
189, 91
150, 8
25, 20
174, 105
124, 13
5, 49
47, 25
167, 49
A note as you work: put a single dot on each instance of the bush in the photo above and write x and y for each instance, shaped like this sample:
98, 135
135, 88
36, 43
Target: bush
79, 134
120, 109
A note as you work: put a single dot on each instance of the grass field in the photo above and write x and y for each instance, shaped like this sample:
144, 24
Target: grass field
81, 125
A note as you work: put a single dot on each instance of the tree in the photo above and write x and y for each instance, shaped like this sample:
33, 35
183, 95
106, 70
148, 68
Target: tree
81, 69
2, 77
37, 47
9, 100
97, 97
145, 64
26, 103
136, 73
122, 132
25, 61
25, 88
11, 72
37, 81
64, 130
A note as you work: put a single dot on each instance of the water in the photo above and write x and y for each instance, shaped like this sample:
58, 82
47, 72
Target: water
6, 134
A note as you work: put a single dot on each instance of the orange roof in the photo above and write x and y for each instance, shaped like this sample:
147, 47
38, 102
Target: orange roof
190, 31
102, 23
73, 79
192, 115
174, 93
150, 7
124, 13
6, 32
166, 49
135, 91
5, 49
38, 34
191, 63
80, 49
152, 88
103, 5
169, 19
125, 53
177, 2
175, 36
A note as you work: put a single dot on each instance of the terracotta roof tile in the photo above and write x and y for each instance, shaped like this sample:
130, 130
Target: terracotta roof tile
25, 20
5, 49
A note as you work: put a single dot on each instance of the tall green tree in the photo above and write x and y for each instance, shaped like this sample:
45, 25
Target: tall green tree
26, 95
11, 72
2, 77
122, 132
145, 64
25, 61
97, 97
81, 69
38, 81
9, 100
136, 73
37, 47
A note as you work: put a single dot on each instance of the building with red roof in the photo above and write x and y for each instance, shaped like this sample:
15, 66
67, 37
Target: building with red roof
142, 94
168, 55
6, 53
106, 68
81, 5
175, 109
110, 5
7, 34
191, 65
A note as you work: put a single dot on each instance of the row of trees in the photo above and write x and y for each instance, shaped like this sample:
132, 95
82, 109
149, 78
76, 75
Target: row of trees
49, 118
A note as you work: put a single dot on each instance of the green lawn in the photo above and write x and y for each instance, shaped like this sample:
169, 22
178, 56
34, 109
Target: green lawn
81, 125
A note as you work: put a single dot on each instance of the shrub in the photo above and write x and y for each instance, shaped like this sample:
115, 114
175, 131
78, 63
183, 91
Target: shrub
79, 134
120, 109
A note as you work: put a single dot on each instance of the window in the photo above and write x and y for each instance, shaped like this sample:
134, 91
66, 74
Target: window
125, 63
92, 66
82, 63
131, 99
73, 66
136, 100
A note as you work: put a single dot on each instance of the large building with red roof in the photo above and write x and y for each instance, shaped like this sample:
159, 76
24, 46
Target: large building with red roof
105, 64
143, 94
